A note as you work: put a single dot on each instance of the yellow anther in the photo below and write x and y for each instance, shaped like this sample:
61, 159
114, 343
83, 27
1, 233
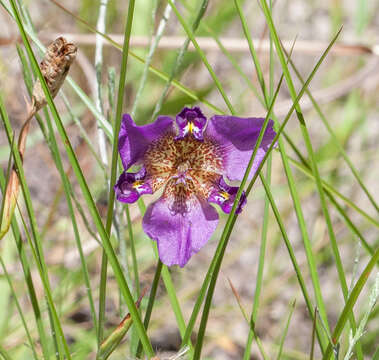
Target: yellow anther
190, 127
225, 195
137, 183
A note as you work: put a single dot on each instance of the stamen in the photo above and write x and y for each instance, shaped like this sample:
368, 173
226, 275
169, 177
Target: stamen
225, 195
137, 184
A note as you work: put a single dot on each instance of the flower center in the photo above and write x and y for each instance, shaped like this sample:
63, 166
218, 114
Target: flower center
183, 167
192, 165
181, 172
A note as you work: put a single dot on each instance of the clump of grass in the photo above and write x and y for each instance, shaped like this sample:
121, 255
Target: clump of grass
293, 221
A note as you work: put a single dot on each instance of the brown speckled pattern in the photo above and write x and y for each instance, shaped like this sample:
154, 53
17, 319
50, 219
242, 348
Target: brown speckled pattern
189, 168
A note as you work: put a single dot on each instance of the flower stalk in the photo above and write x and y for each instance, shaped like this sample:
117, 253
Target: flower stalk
55, 65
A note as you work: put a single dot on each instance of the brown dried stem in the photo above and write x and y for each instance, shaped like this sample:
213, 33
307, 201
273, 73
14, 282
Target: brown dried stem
54, 67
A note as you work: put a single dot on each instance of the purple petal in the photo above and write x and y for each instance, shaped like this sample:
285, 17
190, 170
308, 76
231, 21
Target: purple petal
179, 236
191, 121
225, 195
130, 186
134, 140
237, 137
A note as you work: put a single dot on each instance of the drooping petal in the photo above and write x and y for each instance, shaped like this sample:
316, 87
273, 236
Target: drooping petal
237, 137
130, 186
134, 140
179, 235
224, 195
191, 121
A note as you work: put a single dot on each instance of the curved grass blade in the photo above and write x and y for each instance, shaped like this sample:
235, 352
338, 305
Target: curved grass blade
150, 304
251, 323
28, 278
253, 53
349, 305
113, 340
201, 54
51, 142
180, 56
4, 354
39, 258
314, 167
114, 161
262, 253
87, 195
332, 190
336, 142
149, 58
185, 90
230, 222
292, 308
31, 342
217, 259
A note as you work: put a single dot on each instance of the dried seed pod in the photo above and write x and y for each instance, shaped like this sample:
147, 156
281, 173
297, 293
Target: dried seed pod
54, 67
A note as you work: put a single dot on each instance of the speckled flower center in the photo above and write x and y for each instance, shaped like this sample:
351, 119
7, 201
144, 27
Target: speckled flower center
187, 167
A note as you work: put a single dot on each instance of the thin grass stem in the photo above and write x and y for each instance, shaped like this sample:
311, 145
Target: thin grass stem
87, 195
19, 309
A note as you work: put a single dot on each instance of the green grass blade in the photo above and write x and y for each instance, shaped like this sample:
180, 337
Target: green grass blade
251, 323
114, 162
28, 279
149, 58
234, 63
179, 58
33, 223
87, 195
169, 285
350, 224
293, 257
314, 167
336, 142
109, 253
283, 337
226, 233
202, 55
376, 354
262, 253
51, 141
252, 52
150, 304
133, 251
160, 74
102, 297
19, 309
265, 102
67, 189
332, 190
4, 354
349, 305
304, 167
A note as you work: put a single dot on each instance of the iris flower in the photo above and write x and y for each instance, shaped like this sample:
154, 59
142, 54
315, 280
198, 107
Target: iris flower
191, 159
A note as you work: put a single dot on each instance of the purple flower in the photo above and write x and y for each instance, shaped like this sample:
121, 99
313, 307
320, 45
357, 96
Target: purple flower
224, 195
130, 186
191, 121
189, 159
